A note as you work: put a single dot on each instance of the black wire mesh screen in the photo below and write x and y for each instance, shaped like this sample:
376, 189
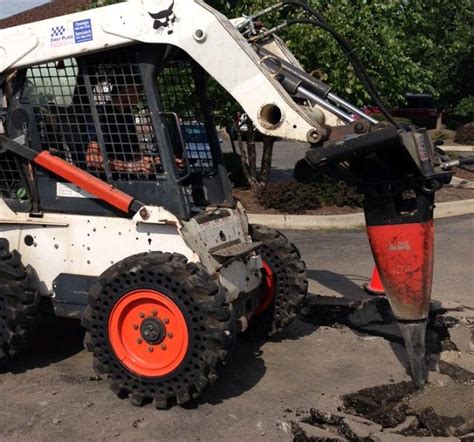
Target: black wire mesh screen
11, 185
178, 94
93, 113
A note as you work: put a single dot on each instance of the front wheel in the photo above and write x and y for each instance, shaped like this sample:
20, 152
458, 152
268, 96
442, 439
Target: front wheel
158, 327
284, 283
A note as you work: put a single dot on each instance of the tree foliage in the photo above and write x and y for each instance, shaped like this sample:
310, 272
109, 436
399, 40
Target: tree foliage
407, 46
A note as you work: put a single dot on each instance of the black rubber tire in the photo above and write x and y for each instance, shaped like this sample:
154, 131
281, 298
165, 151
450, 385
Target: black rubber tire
210, 325
291, 283
19, 300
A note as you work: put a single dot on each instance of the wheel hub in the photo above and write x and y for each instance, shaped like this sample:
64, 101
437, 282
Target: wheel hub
148, 333
153, 331
268, 286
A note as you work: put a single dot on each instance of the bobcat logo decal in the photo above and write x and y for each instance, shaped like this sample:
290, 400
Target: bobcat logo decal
164, 19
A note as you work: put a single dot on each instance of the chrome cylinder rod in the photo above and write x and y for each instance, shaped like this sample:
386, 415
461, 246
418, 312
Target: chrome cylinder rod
325, 105
349, 107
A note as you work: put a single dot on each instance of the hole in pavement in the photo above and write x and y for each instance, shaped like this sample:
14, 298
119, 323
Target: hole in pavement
442, 408
393, 410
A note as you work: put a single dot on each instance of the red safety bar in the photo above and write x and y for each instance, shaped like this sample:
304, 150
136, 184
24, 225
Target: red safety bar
85, 181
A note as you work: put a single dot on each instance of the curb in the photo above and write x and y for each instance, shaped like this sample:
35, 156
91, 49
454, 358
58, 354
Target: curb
461, 183
352, 221
457, 148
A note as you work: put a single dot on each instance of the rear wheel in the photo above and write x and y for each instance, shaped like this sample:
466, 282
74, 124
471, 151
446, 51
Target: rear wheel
284, 283
158, 327
19, 300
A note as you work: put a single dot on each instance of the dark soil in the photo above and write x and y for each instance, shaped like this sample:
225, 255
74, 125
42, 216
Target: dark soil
464, 174
453, 194
389, 406
252, 205
331, 312
382, 404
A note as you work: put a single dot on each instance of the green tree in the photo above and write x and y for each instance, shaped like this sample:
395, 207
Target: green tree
408, 46
440, 37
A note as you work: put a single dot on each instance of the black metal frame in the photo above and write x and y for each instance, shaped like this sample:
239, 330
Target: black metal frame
65, 130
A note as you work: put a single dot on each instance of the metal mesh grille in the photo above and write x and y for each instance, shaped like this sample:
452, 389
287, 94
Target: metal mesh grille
60, 107
94, 114
10, 182
178, 94
125, 122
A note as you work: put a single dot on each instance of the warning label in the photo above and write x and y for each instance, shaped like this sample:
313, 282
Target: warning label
83, 31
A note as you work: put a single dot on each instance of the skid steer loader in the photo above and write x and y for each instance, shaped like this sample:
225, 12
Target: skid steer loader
112, 214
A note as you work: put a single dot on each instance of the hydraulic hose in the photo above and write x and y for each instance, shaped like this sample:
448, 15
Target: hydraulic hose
357, 64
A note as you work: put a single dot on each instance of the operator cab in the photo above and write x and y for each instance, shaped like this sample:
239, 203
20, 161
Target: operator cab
137, 117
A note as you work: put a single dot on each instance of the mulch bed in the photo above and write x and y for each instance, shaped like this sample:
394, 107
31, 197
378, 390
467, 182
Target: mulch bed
447, 193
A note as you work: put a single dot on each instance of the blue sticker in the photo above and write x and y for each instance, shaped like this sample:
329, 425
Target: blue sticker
83, 31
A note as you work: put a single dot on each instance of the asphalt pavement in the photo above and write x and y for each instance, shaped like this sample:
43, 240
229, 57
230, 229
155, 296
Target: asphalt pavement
52, 393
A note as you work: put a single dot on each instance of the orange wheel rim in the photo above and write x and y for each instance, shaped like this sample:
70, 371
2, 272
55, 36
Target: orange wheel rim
269, 288
148, 333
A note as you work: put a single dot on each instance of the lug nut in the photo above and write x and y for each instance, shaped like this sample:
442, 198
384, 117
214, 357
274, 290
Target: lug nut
135, 326
142, 315
154, 312
163, 346
150, 349
170, 335
166, 320
139, 340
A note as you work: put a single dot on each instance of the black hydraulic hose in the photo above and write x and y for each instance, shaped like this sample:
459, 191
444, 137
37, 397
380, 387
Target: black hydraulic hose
348, 51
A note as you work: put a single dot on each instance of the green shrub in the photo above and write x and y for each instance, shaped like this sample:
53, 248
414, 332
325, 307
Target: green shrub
234, 169
298, 197
289, 196
465, 108
465, 134
453, 123
332, 192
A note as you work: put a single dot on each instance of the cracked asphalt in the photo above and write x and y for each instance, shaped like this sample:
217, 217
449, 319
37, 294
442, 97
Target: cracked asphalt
52, 394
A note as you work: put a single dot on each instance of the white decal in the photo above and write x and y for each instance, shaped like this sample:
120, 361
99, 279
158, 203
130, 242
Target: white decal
68, 190
60, 36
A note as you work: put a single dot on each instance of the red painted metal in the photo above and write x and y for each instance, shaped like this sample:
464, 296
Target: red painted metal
404, 257
128, 344
269, 288
85, 181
